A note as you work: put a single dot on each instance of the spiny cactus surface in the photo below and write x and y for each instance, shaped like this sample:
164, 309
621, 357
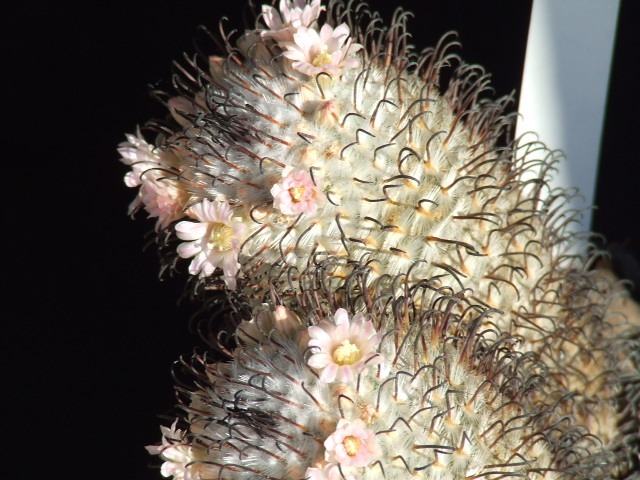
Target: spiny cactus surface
411, 300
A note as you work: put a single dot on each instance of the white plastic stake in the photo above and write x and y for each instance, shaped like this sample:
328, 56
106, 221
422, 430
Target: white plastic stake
564, 87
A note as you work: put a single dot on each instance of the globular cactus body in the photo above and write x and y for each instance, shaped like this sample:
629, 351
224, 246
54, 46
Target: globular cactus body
420, 405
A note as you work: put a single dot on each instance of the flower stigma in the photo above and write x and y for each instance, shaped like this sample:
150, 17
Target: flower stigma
323, 58
351, 445
346, 353
297, 193
220, 237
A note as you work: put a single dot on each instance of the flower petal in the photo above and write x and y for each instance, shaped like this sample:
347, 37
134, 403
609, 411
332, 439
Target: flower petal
187, 230
189, 249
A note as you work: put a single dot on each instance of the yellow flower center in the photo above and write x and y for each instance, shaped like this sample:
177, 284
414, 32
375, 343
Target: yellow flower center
296, 193
346, 353
351, 445
220, 237
323, 58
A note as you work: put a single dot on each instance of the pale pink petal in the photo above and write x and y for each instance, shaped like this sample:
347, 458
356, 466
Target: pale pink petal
230, 281
197, 211
204, 249
309, 208
326, 32
239, 229
188, 250
315, 474
319, 334
197, 263
191, 230
329, 372
230, 263
367, 448
344, 348
341, 30
223, 212
336, 57
292, 15
295, 193
284, 9
330, 442
374, 341
134, 205
131, 179
305, 67
310, 14
305, 39
295, 55
208, 212
345, 374
276, 189
319, 360
341, 332
341, 317
215, 258
330, 471
353, 48
206, 270
236, 243
271, 17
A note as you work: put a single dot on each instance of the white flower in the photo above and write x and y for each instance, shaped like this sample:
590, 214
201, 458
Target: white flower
161, 196
177, 455
329, 51
140, 156
295, 193
214, 241
342, 349
293, 14
352, 444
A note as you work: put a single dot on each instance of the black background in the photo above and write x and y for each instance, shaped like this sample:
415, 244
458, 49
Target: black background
90, 331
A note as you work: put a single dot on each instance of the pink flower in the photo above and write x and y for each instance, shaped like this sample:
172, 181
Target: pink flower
162, 198
140, 156
293, 14
329, 51
342, 349
177, 455
351, 445
159, 194
214, 241
295, 193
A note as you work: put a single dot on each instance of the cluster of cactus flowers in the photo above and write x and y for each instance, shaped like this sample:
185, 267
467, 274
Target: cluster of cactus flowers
407, 295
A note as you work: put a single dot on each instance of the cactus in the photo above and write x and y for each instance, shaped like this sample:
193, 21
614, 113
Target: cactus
326, 174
